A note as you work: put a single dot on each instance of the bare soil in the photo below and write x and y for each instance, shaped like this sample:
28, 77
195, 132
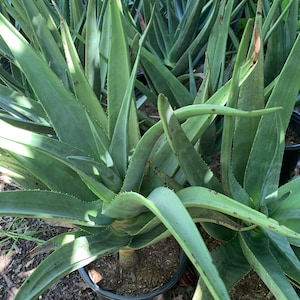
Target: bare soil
160, 259
291, 137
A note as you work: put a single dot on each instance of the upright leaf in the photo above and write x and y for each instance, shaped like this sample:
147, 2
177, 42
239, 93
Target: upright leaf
251, 97
217, 44
267, 157
62, 107
121, 108
194, 167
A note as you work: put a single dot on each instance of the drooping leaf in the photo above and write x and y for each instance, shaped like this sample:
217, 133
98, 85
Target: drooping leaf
49, 204
175, 217
202, 197
68, 258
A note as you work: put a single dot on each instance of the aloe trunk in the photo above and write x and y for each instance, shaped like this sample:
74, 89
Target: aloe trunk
128, 258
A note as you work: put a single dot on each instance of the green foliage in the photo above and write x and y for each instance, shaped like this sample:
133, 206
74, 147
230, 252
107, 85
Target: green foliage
70, 136
251, 155
71, 154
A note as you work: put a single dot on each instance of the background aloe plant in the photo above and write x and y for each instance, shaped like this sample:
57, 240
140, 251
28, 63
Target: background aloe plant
93, 169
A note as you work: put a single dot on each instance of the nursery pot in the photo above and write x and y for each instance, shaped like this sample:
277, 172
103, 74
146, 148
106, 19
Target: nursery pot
106, 295
291, 152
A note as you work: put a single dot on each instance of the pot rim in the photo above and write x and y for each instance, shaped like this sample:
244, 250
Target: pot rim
164, 288
295, 118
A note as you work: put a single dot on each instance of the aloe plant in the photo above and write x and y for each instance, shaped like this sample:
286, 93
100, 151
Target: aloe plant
175, 44
75, 160
180, 30
89, 166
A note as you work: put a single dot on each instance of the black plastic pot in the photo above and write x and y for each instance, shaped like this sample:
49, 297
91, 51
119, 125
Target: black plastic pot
106, 295
291, 152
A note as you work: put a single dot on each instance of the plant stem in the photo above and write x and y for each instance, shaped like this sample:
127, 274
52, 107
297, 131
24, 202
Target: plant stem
128, 258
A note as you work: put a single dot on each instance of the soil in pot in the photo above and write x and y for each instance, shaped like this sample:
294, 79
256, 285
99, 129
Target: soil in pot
157, 264
292, 149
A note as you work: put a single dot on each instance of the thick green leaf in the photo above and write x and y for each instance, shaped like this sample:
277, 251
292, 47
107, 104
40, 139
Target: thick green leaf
184, 34
228, 182
92, 43
45, 40
193, 128
19, 17
274, 20
69, 258
101, 172
159, 40
202, 197
83, 91
285, 255
217, 42
27, 125
192, 164
159, 74
62, 107
121, 145
290, 266
145, 146
155, 235
251, 97
57, 241
20, 106
122, 116
267, 157
47, 204
196, 49
42, 156
62, 159
257, 252
231, 264
286, 207
118, 63
21, 176
104, 51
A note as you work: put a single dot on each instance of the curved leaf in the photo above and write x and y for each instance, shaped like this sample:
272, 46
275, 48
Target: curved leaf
40, 154
202, 197
68, 258
48, 204
83, 90
144, 148
165, 204
45, 39
285, 255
